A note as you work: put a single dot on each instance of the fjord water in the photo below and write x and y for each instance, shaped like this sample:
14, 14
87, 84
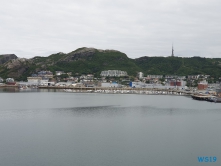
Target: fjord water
57, 128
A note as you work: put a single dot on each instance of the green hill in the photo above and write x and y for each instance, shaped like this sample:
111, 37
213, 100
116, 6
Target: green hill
180, 66
93, 61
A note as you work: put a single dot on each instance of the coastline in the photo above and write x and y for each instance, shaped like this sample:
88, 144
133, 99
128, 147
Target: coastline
113, 90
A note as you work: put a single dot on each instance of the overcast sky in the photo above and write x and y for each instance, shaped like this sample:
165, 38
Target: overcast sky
138, 28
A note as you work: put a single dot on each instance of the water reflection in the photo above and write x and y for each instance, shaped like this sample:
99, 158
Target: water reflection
112, 130
9, 89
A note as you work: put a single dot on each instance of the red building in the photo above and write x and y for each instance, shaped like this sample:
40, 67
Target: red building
11, 83
202, 86
175, 83
178, 83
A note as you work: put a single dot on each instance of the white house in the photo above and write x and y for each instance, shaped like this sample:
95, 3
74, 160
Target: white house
113, 73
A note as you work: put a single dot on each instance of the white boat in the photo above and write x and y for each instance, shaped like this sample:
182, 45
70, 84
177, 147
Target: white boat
68, 90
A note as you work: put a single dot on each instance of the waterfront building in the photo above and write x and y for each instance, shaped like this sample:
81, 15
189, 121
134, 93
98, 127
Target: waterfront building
39, 81
110, 84
64, 84
1, 80
113, 73
203, 85
34, 80
44, 81
89, 84
137, 84
157, 86
10, 81
77, 85
177, 83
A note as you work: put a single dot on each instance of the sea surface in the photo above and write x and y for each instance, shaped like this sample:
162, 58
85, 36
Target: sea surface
46, 128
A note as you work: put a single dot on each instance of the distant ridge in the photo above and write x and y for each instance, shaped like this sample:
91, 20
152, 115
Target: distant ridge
91, 60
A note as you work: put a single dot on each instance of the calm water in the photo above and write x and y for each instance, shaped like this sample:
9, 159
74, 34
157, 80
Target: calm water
68, 129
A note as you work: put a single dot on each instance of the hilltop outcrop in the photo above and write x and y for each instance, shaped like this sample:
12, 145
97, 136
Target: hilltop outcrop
7, 57
83, 53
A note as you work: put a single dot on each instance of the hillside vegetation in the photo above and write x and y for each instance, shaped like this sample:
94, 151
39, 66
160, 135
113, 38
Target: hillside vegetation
93, 61
180, 66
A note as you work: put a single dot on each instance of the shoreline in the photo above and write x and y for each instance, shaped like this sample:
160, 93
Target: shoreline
113, 90
128, 91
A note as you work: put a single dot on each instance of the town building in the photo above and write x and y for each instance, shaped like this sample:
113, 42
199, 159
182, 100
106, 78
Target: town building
203, 85
113, 73
154, 76
218, 91
137, 84
39, 81
110, 84
72, 79
44, 81
34, 80
45, 74
10, 81
159, 86
193, 77
58, 73
90, 77
175, 77
77, 85
170, 76
181, 77
69, 73
177, 83
63, 84
140, 75
83, 77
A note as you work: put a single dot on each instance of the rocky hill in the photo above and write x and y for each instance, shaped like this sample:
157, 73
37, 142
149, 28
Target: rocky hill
81, 61
7, 57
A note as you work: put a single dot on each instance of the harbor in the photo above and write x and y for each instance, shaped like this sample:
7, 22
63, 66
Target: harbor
77, 123
196, 95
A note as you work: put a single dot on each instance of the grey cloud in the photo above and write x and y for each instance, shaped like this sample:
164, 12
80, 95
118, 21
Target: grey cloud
137, 28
